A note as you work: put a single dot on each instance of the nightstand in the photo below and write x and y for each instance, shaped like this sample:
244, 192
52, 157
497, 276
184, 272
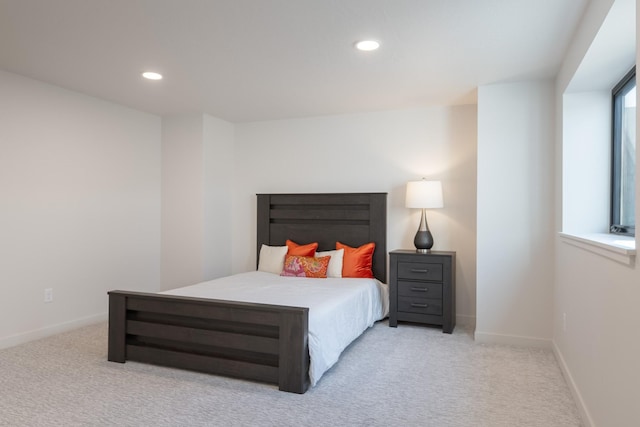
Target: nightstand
422, 288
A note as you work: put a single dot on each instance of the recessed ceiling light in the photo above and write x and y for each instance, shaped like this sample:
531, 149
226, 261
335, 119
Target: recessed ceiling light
367, 45
151, 75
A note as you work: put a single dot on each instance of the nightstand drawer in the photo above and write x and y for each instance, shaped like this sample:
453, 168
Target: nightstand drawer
419, 271
420, 305
420, 289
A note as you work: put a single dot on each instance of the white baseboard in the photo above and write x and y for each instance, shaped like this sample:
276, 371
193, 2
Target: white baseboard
47, 331
585, 416
487, 337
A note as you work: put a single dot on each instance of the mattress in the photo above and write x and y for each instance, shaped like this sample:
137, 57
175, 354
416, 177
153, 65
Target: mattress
340, 309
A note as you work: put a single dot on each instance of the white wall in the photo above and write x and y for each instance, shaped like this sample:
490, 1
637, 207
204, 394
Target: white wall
586, 132
182, 201
218, 160
599, 349
372, 152
197, 165
515, 213
90, 189
79, 206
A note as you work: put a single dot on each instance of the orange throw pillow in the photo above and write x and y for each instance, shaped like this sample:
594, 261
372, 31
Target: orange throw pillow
357, 262
305, 266
301, 250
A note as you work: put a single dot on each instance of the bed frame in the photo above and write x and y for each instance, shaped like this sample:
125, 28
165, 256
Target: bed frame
260, 342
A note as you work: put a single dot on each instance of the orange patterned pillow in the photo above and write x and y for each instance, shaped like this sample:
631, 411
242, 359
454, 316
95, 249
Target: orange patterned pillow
357, 262
301, 250
305, 266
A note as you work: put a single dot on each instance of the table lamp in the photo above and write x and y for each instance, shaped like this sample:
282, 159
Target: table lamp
424, 195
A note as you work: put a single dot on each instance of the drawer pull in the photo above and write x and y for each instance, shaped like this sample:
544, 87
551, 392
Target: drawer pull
414, 304
420, 289
415, 270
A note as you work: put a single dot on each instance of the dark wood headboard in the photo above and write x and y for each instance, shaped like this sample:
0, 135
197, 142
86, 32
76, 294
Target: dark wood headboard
351, 218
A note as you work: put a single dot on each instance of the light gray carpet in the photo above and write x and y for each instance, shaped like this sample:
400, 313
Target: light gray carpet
409, 376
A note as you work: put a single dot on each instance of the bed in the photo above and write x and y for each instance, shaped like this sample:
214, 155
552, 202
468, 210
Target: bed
266, 342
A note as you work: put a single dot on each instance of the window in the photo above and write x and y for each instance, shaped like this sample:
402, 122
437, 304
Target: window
623, 190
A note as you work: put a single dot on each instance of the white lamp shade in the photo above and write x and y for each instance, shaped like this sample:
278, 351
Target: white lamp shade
424, 194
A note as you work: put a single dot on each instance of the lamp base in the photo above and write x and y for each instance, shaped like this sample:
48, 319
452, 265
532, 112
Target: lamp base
423, 241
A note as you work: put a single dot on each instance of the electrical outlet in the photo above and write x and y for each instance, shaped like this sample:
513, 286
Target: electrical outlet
48, 295
564, 322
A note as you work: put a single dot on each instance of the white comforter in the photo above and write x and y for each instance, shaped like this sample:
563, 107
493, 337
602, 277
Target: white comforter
339, 309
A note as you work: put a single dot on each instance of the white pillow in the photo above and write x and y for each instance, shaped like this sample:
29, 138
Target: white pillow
272, 259
335, 263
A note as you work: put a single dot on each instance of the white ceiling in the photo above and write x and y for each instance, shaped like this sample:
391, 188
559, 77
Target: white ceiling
248, 60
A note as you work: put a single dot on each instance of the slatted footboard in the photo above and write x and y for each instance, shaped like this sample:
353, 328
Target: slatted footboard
261, 342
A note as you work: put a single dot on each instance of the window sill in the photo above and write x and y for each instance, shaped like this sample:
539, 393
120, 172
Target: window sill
618, 248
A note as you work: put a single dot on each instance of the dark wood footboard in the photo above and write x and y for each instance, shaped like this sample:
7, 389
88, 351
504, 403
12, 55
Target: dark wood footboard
266, 343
